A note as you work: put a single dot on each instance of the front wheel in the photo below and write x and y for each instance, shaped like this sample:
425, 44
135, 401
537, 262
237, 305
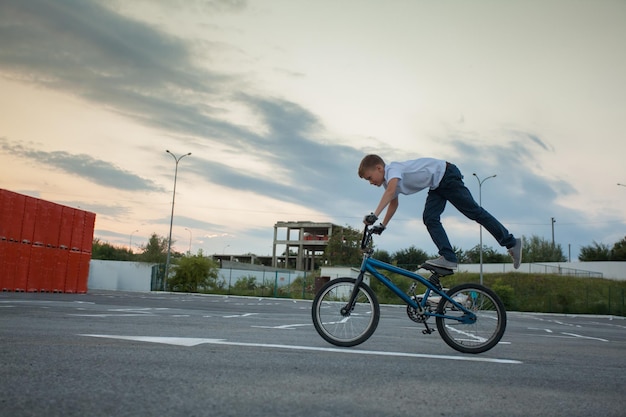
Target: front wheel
477, 336
339, 324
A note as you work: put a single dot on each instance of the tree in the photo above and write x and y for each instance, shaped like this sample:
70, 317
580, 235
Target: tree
618, 253
382, 255
411, 257
537, 249
490, 256
344, 247
193, 273
106, 251
155, 250
595, 252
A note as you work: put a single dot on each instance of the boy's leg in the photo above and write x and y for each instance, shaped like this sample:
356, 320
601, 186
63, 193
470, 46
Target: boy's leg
435, 204
454, 190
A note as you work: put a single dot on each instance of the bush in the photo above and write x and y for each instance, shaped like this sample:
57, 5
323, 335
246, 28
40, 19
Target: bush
505, 293
193, 273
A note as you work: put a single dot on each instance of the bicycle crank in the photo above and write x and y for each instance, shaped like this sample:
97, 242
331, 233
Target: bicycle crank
416, 315
428, 330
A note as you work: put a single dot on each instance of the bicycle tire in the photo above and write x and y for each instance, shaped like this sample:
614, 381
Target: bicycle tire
481, 335
349, 329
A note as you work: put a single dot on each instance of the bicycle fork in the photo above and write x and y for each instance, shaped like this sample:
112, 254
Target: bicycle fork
347, 309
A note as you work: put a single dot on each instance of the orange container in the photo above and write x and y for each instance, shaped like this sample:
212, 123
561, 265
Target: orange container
59, 273
73, 271
35, 269
11, 215
7, 265
88, 226
83, 273
44, 246
22, 264
65, 229
78, 226
28, 220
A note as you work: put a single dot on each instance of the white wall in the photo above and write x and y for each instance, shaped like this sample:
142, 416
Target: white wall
136, 276
609, 270
343, 271
119, 275
281, 278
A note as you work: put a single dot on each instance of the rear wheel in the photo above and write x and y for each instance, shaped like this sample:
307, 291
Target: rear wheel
483, 333
338, 325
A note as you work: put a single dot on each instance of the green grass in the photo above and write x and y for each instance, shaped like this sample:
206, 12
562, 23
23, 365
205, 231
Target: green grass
543, 293
519, 291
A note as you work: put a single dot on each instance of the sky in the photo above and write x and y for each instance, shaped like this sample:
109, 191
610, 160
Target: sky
279, 100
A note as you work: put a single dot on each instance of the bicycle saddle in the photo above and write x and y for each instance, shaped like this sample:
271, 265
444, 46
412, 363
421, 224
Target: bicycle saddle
442, 272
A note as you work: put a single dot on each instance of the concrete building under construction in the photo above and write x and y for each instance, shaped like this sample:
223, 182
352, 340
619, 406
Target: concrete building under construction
297, 244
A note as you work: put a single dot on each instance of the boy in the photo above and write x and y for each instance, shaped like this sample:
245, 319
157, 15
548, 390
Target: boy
445, 183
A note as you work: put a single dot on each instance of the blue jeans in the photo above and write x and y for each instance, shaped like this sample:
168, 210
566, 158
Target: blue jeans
453, 189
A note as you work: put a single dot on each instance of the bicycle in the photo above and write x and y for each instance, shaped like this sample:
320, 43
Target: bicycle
470, 318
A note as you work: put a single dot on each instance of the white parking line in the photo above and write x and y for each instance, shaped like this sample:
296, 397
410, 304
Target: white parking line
584, 337
570, 335
184, 341
283, 327
240, 315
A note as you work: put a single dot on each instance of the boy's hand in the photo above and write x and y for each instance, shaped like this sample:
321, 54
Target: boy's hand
370, 219
378, 229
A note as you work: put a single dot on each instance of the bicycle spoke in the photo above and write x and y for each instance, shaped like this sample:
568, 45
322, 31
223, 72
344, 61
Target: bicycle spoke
336, 325
483, 333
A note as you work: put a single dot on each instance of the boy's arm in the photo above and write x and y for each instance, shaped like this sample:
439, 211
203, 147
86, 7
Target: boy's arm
390, 199
391, 210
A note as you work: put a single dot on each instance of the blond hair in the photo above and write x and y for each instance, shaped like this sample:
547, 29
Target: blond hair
369, 162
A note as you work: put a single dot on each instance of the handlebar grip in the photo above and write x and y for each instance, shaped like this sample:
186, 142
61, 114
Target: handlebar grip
365, 239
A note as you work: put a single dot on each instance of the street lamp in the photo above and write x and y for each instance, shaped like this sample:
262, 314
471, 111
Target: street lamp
189, 239
130, 241
621, 185
169, 241
480, 202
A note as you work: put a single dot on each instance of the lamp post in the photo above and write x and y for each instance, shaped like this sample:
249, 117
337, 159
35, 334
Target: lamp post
169, 240
480, 202
621, 185
189, 239
130, 241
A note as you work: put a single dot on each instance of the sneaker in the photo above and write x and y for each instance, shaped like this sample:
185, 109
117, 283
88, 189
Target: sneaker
516, 253
442, 262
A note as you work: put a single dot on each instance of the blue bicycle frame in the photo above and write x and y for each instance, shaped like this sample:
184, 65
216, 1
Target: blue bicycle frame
370, 265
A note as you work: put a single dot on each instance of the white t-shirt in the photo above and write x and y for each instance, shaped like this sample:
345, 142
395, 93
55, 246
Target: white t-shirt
415, 175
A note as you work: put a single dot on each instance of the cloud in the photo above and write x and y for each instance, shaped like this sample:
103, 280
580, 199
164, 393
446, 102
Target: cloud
82, 42
85, 166
115, 211
87, 50
135, 70
281, 151
513, 161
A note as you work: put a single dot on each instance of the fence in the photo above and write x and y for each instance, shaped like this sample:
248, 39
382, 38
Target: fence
561, 270
277, 283
252, 280
567, 292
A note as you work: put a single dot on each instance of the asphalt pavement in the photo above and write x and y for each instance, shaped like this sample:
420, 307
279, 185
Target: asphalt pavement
109, 353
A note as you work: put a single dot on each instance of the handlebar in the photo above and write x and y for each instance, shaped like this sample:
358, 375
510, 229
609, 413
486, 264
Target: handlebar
366, 240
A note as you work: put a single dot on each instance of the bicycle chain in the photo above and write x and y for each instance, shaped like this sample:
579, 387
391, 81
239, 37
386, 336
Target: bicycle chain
415, 314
